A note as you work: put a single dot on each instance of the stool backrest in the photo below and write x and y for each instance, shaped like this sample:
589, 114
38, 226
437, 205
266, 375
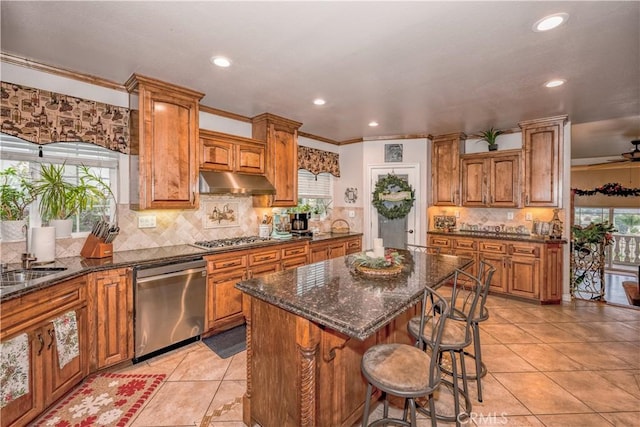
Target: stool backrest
465, 298
435, 312
485, 274
423, 249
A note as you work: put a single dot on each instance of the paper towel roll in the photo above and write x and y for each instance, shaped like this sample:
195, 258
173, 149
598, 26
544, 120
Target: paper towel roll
43, 243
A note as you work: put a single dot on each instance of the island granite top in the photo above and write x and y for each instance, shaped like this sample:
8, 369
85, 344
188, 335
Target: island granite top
332, 294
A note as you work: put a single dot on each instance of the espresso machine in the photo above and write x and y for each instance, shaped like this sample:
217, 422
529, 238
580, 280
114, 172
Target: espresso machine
300, 224
281, 227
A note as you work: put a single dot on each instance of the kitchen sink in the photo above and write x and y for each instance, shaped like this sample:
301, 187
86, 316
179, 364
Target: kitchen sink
18, 277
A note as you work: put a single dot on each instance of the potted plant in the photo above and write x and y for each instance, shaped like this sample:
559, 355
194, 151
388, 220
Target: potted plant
490, 136
16, 193
60, 199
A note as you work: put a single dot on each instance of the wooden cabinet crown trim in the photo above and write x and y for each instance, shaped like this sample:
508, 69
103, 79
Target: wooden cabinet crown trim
227, 137
132, 84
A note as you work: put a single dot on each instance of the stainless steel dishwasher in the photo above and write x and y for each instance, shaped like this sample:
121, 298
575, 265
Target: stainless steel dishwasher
169, 306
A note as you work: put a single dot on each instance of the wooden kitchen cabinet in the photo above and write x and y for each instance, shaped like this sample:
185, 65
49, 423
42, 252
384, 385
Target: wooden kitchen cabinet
295, 255
531, 270
223, 152
334, 248
33, 314
111, 321
164, 144
281, 138
445, 174
542, 151
491, 180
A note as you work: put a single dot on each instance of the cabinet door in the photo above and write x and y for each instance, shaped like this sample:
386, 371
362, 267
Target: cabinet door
499, 279
353, 245
524, 277
318, 253
227, 300
58, 380
336, 250
445, 174
250, 159
216, 155
26, 407
114, 317
474, 181
542, 150
504, 181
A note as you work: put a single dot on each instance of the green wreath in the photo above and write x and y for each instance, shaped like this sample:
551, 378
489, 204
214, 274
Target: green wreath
393, 197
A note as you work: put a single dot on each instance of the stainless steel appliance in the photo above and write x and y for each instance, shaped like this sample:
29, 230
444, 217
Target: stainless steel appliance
169, 306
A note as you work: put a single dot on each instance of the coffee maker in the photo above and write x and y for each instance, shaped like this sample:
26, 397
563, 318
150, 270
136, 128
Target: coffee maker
300, 223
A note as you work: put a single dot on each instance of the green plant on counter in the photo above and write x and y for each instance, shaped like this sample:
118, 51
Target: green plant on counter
60, 199
390, 258
16, 194
304, 208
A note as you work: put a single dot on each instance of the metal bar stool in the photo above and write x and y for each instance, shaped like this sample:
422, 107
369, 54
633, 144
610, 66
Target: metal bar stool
457, 335
423, 249
407, 371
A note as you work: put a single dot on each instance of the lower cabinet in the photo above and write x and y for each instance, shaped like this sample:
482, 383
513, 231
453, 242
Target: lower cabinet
111, 320
531, 270
46, 381
334, 248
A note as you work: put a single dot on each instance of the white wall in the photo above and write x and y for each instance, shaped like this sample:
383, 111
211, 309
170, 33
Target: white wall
505, 142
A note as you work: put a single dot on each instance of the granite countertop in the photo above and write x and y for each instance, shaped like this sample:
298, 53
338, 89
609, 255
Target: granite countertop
498, 236
77, 266
333, 295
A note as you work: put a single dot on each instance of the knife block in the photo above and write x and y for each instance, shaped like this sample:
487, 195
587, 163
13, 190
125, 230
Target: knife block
96, 248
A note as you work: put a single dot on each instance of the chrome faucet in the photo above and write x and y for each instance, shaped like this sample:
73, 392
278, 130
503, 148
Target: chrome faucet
27, 257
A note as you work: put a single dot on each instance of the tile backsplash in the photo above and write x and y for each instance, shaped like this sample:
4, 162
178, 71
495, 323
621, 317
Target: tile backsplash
177, 227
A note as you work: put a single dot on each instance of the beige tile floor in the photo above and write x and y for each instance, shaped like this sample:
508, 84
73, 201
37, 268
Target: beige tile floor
575, 364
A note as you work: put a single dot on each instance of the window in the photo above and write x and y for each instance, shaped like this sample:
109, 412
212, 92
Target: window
624, 254
315, 191
27, 156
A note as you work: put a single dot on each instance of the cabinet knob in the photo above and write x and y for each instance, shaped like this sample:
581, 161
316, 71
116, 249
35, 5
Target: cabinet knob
50, 332
41, 344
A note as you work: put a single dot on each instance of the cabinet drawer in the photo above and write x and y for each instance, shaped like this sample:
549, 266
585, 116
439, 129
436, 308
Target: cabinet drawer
294, 262
524, 250
263, 257
493, 247
441, 242
468, 244
354, 246
46, 303
295, 251
218, 263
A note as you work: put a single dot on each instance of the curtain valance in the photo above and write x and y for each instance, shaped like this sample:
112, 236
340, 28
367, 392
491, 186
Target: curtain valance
318, 161
43, 117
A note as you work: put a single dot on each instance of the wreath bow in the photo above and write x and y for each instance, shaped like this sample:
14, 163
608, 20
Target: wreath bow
393, 197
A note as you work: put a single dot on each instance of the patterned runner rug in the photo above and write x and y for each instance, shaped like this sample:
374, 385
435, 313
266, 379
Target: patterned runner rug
103, 400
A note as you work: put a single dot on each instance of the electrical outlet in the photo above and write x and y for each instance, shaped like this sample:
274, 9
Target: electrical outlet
457, 214
352, 214
528, 216
147, 221
509, 215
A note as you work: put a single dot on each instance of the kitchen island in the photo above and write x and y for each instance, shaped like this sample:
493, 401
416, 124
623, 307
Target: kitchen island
307, 329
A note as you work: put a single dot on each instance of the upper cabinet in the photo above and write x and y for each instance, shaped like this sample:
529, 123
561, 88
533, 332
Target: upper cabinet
281, 138
223, 152
445, 175
164, 144
491, 179
542, 148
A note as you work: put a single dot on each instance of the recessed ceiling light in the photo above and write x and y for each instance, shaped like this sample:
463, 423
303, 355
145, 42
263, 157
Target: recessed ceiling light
373, 124
319, 101
550, 22
555, 83
220, 61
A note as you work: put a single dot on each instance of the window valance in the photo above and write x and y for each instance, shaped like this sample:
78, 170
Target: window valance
42, 117
318, 161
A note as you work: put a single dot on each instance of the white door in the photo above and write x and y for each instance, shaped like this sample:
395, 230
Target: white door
395, 233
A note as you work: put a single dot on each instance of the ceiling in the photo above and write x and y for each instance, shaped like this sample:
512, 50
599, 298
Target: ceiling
415, 67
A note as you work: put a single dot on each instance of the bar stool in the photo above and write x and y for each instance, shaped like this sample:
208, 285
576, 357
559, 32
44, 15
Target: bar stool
423, 249
407, 371
456, 336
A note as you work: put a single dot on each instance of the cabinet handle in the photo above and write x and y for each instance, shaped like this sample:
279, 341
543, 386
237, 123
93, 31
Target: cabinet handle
41, 344
484, 199
526, 200
50, 332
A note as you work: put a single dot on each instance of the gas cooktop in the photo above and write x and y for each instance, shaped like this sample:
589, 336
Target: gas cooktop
232, 241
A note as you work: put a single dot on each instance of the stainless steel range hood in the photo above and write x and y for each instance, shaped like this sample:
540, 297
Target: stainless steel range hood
234, 183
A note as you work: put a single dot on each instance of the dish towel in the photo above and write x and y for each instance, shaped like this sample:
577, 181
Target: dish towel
14, 369
66, 328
